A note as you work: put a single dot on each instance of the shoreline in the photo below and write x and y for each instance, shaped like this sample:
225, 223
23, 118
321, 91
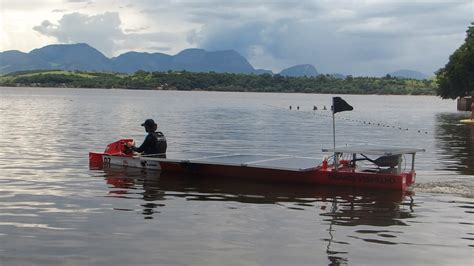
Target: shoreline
198, 81
221, 91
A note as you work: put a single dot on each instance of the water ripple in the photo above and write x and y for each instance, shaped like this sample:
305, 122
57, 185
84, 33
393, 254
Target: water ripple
54, 210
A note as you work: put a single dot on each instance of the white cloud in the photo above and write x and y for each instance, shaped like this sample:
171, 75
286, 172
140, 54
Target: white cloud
104, 32
101, 31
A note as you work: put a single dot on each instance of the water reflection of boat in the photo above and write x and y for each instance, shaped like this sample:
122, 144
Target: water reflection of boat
339, 206
236, 189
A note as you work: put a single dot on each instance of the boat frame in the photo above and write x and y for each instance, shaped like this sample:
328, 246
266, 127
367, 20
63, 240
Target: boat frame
338, 172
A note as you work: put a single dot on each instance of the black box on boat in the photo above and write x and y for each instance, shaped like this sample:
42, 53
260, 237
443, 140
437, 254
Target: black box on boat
464, 103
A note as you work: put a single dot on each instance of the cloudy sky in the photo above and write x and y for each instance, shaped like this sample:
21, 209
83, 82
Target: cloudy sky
350, 37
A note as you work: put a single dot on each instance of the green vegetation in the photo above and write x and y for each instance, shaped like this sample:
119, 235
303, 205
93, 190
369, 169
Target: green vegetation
183, 80
456, 79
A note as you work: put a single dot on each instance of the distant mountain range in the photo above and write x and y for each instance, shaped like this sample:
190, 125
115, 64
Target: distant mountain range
300, 71
83, 57
411, 74
86, 58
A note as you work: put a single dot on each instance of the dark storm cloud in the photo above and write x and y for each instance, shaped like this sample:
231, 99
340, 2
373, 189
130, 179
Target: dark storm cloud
365, 38
296, 42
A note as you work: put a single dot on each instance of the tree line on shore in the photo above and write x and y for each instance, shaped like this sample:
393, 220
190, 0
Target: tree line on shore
212, 81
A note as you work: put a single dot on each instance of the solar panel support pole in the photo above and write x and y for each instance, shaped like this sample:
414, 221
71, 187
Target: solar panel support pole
336, 159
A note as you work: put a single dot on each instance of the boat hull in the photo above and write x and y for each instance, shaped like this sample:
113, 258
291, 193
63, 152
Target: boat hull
342, 177
345, 176
131, 161
99, 160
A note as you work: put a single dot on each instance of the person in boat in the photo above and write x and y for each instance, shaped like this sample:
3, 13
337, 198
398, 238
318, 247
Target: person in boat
154, 143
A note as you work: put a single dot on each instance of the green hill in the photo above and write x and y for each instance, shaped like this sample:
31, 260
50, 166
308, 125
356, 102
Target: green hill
184, 80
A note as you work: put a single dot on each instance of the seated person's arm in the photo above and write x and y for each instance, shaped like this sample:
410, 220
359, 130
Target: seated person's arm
145, 143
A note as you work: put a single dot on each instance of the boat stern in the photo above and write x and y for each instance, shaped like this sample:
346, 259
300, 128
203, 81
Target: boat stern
96, 159
409, 177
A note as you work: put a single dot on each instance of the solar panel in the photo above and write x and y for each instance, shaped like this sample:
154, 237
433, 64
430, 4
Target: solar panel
192, 155
237, 159
282, 162
375, 150
289, 163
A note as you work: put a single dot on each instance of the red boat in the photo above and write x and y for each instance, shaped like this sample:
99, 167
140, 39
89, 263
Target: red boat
347, 166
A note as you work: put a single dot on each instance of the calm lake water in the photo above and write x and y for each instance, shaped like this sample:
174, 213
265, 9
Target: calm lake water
54, 210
